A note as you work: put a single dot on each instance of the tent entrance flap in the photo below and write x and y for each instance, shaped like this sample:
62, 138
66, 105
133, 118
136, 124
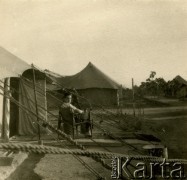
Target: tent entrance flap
28, 122
14, 109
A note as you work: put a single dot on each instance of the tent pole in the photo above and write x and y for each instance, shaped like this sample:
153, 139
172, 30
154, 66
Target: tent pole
36, 104
6, 111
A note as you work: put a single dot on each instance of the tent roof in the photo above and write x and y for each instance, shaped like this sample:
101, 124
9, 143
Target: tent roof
53, 74
10, 65
89, 77
180, 80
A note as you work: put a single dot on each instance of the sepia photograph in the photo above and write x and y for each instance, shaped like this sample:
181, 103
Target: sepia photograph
93, 89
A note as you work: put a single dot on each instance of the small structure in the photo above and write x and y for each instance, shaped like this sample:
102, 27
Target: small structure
181, 91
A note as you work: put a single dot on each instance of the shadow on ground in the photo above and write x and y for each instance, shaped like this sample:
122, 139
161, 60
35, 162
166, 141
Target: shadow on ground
25, 170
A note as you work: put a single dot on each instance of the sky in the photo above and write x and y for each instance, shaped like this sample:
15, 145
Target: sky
123, 38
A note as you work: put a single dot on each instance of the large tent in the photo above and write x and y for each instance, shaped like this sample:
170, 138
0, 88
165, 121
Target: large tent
16, 81
94, 85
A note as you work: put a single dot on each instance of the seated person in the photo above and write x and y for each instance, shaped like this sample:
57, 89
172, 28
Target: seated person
66, 113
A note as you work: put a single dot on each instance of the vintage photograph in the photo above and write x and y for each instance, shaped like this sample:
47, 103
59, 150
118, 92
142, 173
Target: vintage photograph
93, 89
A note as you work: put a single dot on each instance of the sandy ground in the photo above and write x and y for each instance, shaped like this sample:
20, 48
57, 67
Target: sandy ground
57, 167
7, 169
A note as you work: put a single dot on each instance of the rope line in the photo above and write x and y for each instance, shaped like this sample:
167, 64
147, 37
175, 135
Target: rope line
89, 153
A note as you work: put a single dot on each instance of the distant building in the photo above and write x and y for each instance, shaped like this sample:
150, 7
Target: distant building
181, 91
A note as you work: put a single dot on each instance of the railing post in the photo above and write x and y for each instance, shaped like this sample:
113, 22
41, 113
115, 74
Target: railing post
6, 111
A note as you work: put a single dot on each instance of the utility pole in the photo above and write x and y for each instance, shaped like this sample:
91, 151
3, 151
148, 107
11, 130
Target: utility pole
133, 100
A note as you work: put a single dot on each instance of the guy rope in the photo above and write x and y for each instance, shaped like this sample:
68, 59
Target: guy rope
40, 149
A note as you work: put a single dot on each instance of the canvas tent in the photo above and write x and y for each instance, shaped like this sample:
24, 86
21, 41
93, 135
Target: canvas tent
13, 119
94, 85
27, 123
